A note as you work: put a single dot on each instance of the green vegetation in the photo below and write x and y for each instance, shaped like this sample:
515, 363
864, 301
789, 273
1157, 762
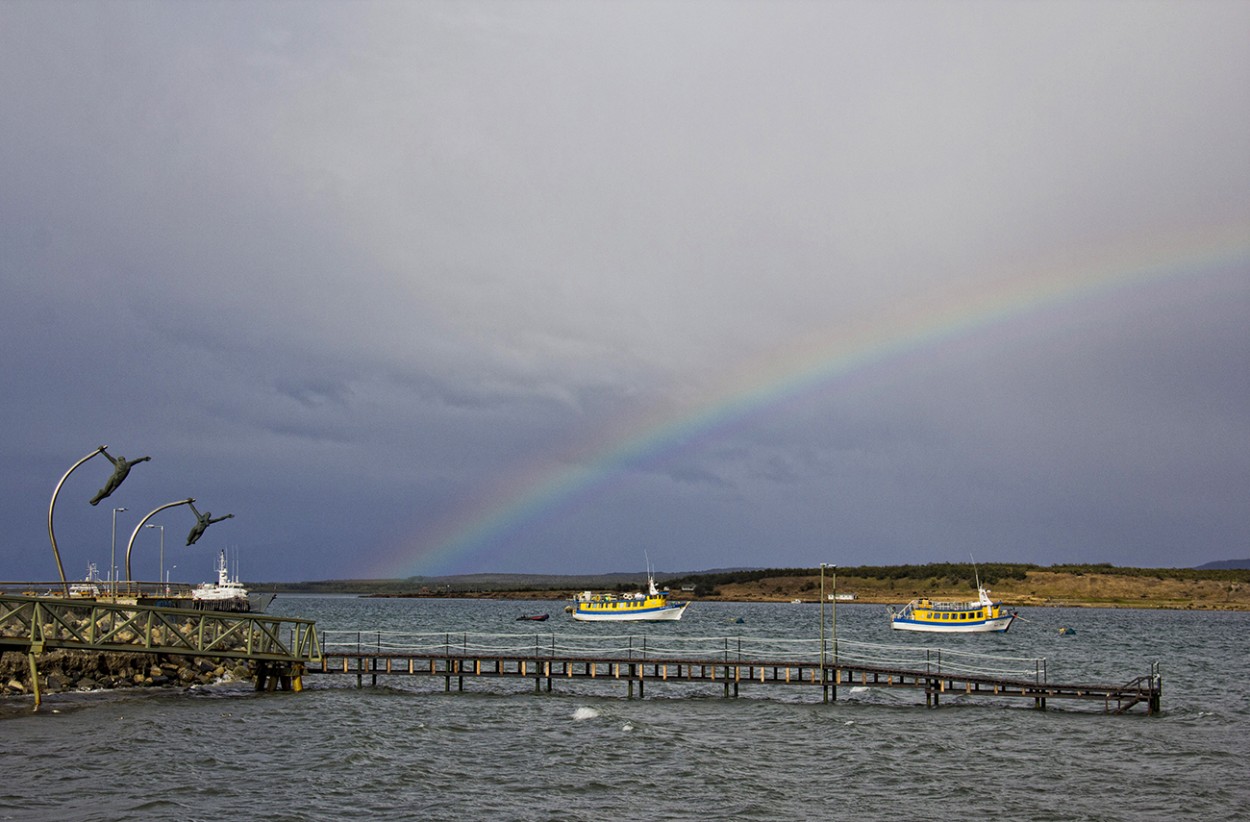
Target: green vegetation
942, 574
960, 574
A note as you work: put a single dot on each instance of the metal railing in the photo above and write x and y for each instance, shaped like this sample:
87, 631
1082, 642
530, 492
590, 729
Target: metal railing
98, 589
36, 624
627, 647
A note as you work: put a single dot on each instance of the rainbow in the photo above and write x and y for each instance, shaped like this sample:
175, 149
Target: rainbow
543, 489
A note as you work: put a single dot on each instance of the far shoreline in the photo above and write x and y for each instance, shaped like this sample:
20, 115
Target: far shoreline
557, 596
1017, 586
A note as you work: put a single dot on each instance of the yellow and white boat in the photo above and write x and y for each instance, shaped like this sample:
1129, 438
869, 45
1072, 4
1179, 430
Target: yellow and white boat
981, 615
589, 606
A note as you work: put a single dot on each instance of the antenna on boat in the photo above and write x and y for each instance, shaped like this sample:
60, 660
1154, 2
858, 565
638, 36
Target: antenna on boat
975, 573
650, 575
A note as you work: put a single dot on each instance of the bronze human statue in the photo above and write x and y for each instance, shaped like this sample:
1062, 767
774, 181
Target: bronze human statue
202, 521
121, 467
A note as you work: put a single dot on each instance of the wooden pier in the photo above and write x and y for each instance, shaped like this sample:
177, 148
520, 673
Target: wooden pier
282, 650
938, 675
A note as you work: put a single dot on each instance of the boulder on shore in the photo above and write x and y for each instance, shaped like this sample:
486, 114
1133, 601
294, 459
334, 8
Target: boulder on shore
61, 671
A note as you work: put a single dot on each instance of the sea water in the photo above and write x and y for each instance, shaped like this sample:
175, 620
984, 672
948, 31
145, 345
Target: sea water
407, 750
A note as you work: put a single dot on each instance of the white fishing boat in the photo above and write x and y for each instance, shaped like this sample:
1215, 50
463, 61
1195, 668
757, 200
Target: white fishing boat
91, 585
652, 605
227, 593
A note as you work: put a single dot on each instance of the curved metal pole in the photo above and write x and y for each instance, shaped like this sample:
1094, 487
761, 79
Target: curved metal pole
52, 534
153, 512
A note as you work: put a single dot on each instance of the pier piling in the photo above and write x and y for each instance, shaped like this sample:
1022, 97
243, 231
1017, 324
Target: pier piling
934, 674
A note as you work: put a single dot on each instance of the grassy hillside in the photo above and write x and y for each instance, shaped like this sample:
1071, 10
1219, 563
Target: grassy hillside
1016, 584
1019, 585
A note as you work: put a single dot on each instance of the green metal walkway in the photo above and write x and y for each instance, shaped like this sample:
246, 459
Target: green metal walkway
278, 649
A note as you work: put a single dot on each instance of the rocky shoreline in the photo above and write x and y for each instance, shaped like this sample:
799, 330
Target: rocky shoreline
69, 671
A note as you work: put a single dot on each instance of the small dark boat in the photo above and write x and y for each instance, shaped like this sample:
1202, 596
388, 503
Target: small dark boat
533, 618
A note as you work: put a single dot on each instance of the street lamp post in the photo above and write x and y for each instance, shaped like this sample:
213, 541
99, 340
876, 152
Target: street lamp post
161, 571
833, 626
113, 559
824, 687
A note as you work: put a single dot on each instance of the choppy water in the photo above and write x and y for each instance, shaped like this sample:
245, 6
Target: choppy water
407, 750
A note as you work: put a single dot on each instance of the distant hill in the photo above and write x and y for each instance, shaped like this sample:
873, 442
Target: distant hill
915, 578
462, 583
1225, 565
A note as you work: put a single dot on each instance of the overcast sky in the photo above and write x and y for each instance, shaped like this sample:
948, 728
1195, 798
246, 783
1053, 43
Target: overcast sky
427, 288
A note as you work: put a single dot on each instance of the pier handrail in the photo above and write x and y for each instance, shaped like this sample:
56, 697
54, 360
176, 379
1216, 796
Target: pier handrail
125, 588
36, 624
721, 649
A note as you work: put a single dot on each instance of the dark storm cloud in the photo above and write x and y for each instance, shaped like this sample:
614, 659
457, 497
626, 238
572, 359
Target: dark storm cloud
351, 270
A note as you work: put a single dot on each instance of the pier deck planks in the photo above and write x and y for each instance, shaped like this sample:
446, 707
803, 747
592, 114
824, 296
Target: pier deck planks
733, 674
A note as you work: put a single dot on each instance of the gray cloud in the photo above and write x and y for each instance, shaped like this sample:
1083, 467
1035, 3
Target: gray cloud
352, 270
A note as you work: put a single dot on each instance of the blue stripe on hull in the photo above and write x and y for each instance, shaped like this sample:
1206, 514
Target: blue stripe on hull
971, 626
608, 615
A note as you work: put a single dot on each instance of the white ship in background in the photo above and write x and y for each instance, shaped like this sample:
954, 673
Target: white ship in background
228, 593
